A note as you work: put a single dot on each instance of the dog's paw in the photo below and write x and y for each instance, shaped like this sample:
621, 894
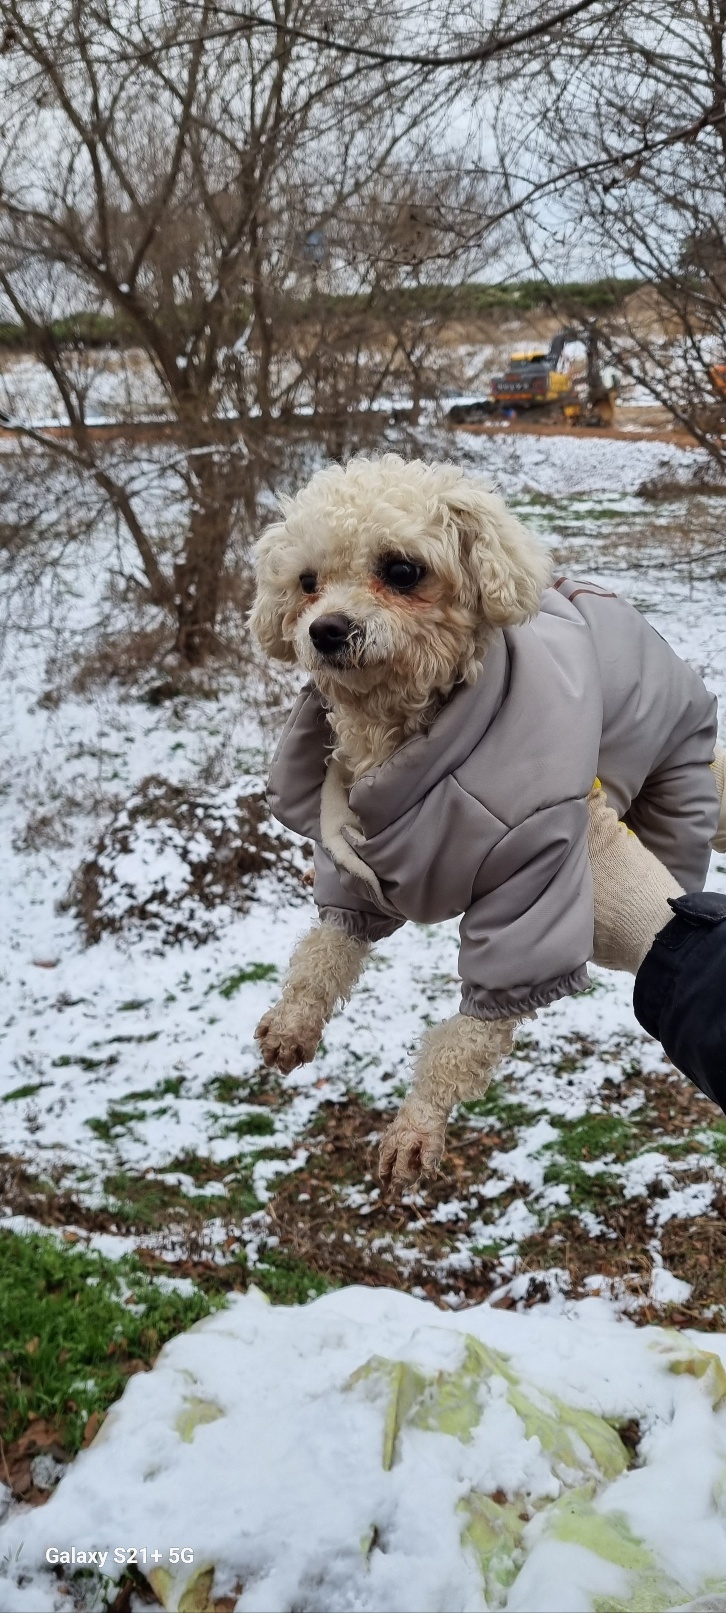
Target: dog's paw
288, 1037
412, 1146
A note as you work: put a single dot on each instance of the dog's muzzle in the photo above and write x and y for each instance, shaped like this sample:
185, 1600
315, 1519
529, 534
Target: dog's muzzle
336, 637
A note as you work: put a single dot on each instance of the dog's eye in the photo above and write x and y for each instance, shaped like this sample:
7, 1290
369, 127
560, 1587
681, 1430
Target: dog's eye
308, 582
403, 575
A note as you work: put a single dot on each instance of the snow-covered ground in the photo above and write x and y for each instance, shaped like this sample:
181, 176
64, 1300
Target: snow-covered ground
123, 384
129, 1066
367, 1452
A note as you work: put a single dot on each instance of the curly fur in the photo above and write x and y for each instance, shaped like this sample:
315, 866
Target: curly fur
322, 972
719, 773
631, 889
456, 1062
483, 571
336, 814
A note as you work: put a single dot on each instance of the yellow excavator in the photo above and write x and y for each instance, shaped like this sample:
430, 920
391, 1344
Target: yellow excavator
533, 380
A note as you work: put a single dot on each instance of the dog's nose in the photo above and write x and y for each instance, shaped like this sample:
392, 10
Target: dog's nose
330, 633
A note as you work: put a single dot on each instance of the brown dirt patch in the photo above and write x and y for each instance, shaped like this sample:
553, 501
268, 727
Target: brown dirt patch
696, 1251
22, 1194
333, 1215
17, 1458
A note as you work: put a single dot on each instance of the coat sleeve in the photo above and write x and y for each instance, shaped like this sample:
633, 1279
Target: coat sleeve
528, 933
345, 902
676, 813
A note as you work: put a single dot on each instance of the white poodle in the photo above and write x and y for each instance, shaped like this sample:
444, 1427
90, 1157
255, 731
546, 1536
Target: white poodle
444, 757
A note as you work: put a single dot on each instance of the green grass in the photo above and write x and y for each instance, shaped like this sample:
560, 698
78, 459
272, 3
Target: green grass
243, 977
106, 1127
227, 1089
593, 1136
144, 1201
170, 1087
288, 1281
27, 1091
67, 1337
151, 1036
236, 1199
713, 1138
499, 1106
589, 1140
74, 1324
251, 1125
86, 1063
586, 1192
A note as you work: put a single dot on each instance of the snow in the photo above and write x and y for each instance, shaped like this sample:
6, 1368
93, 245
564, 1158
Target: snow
260, 1442
115, 1059
562, 465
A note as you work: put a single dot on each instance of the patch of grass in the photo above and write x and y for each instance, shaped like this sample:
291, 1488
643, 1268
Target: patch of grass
170, 1087
251, 1125
133, 1004
714, 1138
499, 1105
227, 1089
143, 1201
139, 1201
84, 1061
105, 1127
593, 1136
288, 1281
151, 1036
243, 977
68, 1337
595, 1193
200, 1167
27, 1091
234, 1177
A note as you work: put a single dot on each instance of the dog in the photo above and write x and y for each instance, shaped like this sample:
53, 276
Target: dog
471, 737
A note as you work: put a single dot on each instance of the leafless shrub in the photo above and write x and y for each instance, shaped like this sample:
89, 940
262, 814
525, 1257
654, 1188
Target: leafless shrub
42, 830
174, 863
665, 489
627, 127
232, 207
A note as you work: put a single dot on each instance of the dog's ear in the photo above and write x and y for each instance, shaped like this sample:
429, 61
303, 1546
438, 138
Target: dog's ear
507, 568
271, 601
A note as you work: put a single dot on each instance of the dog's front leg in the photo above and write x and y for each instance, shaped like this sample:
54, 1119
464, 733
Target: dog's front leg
455, 1063
322, 973
631, 889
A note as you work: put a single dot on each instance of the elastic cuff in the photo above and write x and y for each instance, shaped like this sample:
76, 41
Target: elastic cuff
361, 926
479, 1003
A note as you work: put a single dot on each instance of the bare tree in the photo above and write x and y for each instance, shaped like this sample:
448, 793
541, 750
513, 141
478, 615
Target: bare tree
627, 142
234, 205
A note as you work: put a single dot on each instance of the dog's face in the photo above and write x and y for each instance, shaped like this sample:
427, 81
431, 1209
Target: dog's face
388, 571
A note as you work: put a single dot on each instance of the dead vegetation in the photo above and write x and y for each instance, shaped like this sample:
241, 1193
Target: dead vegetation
333, 1216
330, 1223
173, 857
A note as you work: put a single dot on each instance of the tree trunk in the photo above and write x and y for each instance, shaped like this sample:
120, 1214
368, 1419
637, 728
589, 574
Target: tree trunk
198, 577
197, 606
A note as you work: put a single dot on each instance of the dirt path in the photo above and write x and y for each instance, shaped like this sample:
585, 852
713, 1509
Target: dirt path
557, 428
147, 431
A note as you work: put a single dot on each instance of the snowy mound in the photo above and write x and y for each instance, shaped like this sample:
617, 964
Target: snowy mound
175, 862
368, 1451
